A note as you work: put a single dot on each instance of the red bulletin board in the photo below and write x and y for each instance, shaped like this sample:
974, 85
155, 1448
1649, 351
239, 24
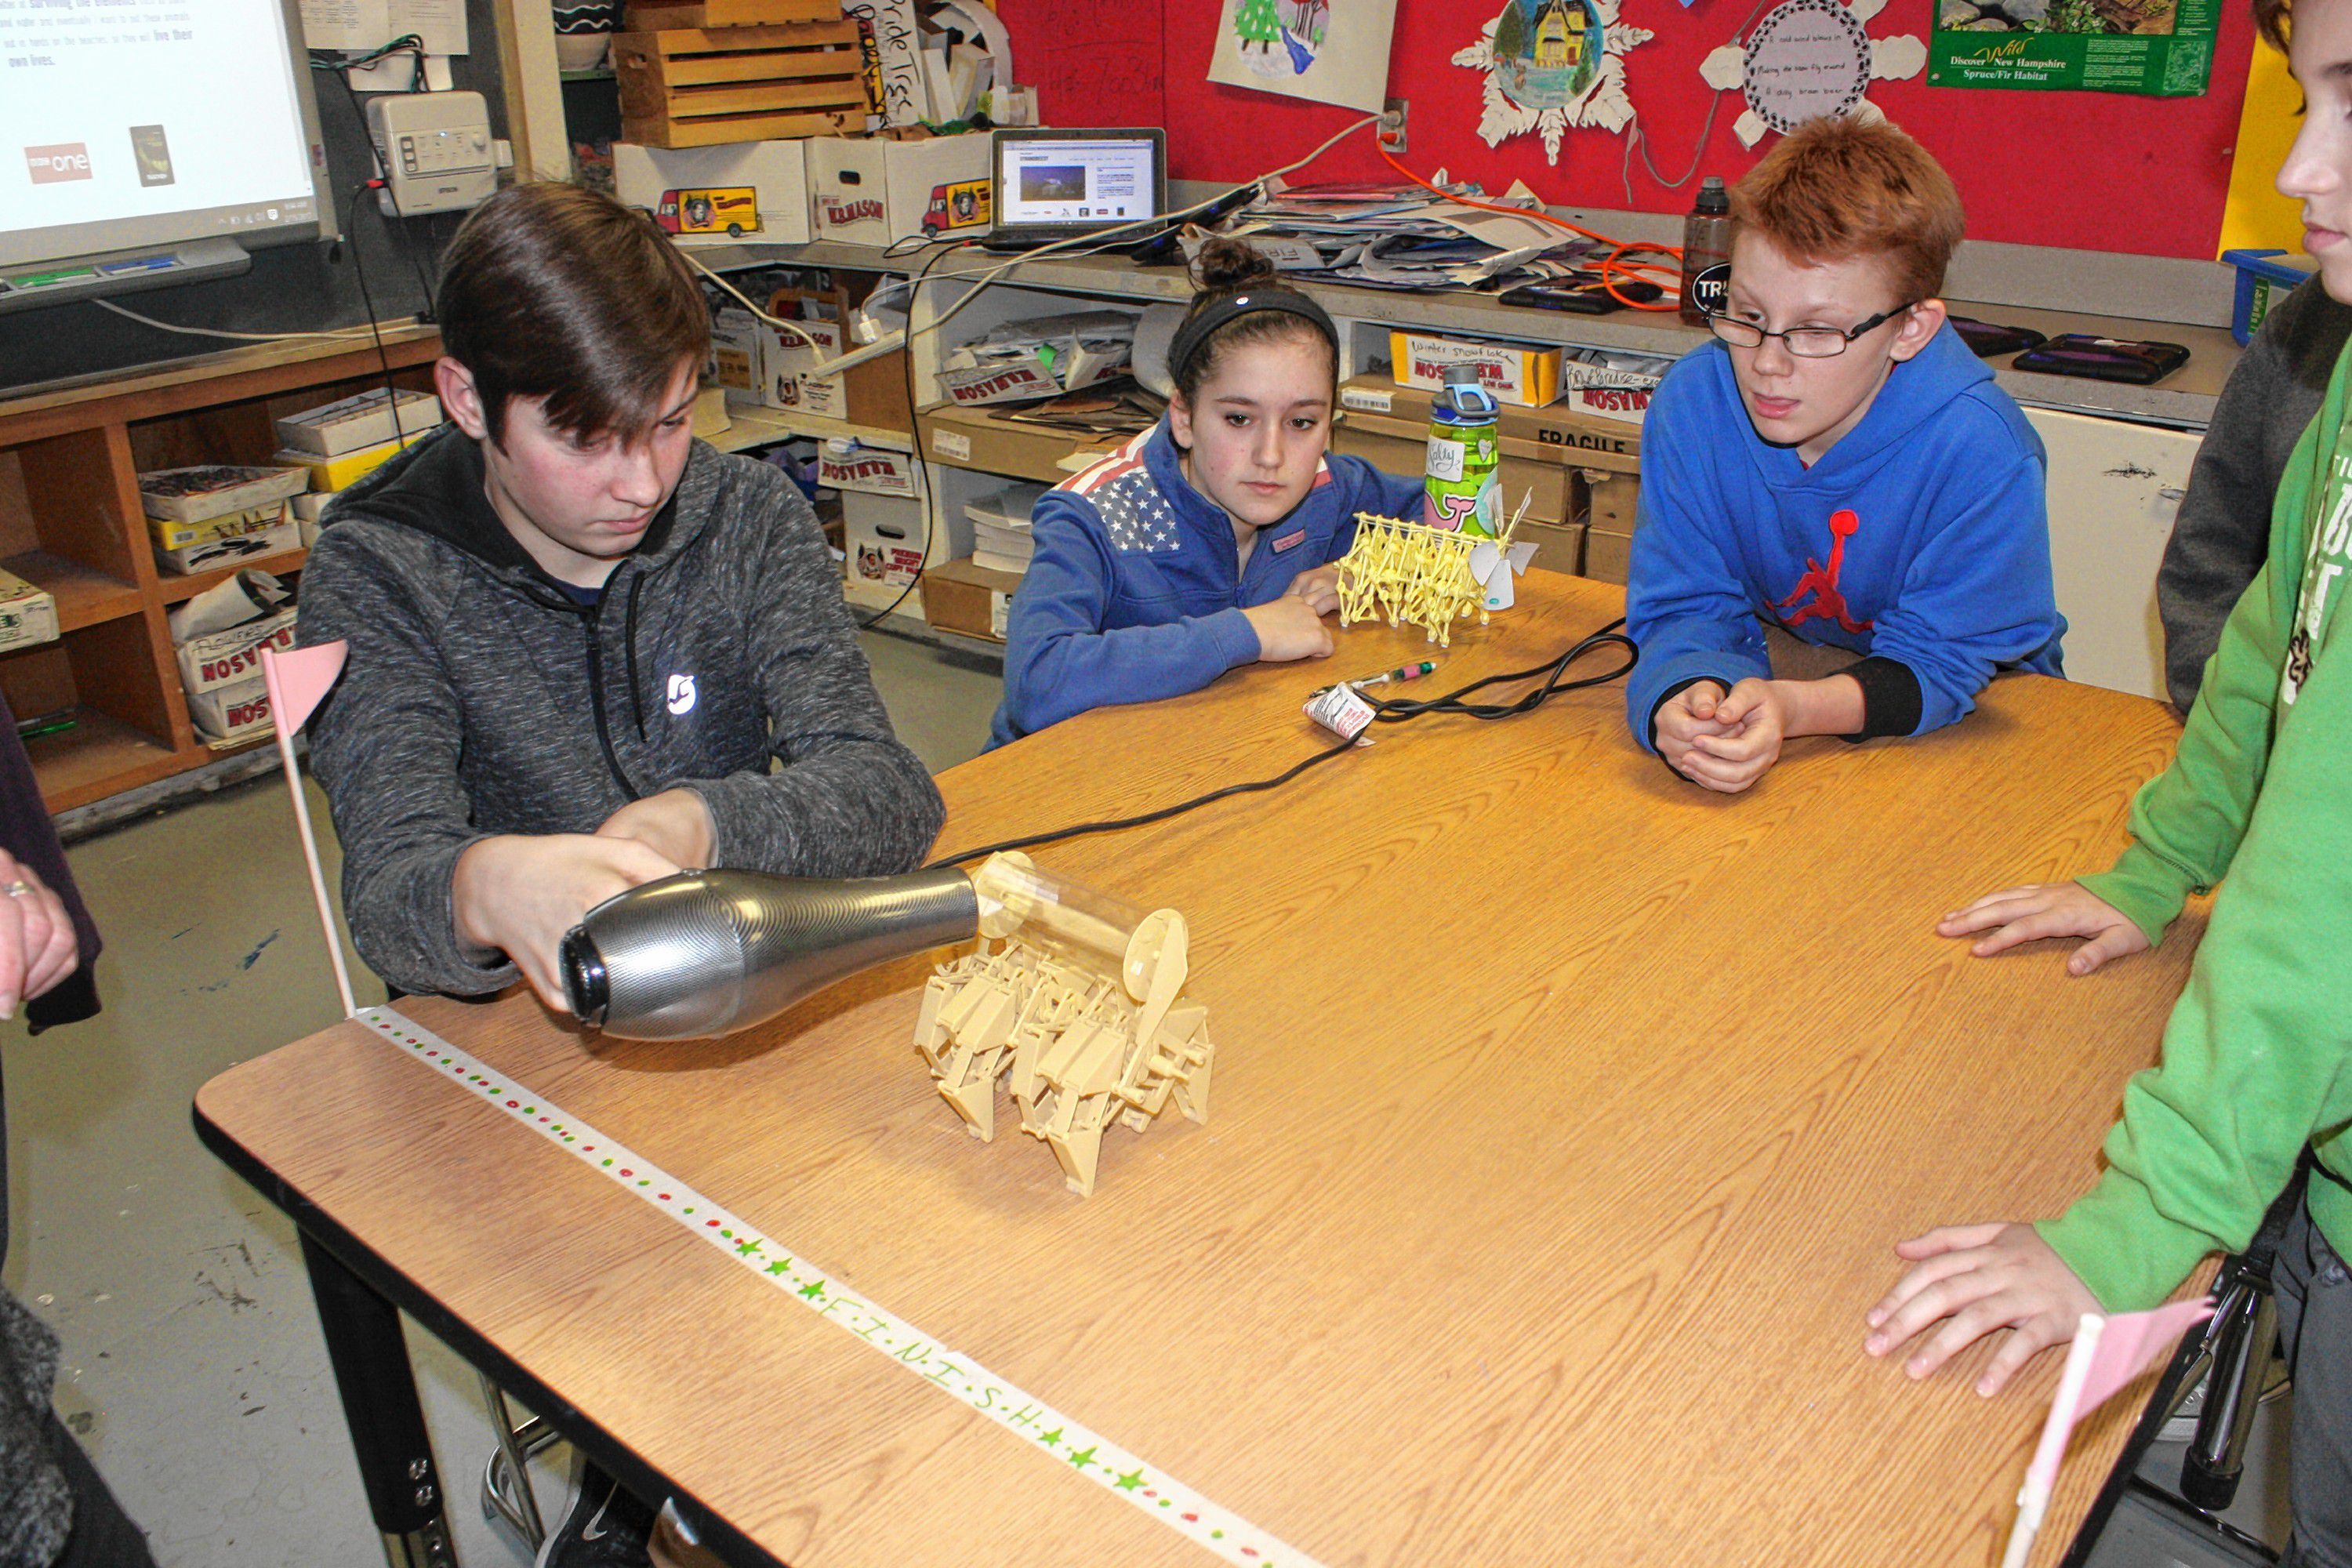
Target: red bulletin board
2085, 170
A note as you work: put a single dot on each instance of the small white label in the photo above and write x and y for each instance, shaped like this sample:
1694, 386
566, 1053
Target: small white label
1366, 399
948, 443
999, 605
1446, 458
1341, 709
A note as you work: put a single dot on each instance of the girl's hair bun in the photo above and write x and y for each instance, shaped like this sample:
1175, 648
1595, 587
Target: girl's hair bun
1226, 264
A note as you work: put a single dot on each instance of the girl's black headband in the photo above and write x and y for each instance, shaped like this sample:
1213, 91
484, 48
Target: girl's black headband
1201, 323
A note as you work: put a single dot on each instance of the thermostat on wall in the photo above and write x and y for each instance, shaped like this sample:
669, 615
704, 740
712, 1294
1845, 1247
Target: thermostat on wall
435, 150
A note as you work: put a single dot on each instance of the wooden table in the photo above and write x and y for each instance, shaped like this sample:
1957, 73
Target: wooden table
1565, 1118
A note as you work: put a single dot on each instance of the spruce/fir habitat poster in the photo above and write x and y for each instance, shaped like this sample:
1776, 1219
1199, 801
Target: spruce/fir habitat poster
2158, 48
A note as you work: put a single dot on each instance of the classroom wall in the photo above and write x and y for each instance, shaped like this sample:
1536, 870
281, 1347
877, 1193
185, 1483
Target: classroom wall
292, 288
2084, 170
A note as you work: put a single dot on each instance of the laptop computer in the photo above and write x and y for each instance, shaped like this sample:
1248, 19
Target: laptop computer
1046, 185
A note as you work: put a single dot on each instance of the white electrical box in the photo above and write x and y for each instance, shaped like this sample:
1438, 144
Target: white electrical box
435, 150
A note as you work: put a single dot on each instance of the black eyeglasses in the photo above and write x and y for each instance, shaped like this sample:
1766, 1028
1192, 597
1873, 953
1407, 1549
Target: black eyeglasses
1805, 343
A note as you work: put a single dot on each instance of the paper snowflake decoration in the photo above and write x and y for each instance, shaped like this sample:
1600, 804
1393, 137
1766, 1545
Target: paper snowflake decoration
1810, 58
1551, 64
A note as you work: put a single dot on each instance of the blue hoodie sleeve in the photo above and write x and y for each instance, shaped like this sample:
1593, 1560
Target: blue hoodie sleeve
1687, 604
1059, 659
1979, 594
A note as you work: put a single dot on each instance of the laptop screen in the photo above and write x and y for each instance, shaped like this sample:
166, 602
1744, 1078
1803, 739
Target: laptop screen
1081, 181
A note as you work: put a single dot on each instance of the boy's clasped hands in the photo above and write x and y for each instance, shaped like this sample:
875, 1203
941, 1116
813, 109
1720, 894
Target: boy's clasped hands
1726, 740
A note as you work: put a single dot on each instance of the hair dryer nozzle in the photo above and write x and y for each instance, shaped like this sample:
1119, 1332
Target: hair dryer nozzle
708, 953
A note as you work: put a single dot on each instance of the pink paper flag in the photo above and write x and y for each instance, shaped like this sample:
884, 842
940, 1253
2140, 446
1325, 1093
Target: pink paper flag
2119, 1353
299, 682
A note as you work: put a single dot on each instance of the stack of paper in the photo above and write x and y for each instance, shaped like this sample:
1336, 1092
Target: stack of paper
1403, 236
1000, 528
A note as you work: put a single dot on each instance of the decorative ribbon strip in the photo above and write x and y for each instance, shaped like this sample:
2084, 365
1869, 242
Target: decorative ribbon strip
1105, 1464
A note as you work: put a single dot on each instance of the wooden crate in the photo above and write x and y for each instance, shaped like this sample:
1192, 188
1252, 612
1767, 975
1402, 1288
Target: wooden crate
691, 86
655, 16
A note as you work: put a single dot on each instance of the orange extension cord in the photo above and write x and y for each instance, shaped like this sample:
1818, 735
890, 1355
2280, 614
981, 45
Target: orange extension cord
1614, 266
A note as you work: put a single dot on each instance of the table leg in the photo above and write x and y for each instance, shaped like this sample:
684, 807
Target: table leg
379, 1392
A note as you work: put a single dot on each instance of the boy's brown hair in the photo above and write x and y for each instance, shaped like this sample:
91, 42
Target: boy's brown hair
552, 291
2271, 22
1835, 189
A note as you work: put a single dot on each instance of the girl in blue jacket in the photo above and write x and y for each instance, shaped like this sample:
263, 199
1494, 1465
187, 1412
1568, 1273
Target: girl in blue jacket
1207, 542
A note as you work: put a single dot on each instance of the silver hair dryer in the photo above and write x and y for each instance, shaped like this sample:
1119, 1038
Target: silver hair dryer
708, 953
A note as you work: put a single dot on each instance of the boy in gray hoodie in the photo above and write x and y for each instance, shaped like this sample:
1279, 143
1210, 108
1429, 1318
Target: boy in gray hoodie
586, 650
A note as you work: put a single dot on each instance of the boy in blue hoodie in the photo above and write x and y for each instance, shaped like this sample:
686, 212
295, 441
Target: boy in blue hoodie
1206, 543
1839, 465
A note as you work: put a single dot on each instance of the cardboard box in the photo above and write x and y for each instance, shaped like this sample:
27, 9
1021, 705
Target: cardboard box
973, 438
211, 489
1560, 546
1613, 499
170, 534
28, 615
342, 471
968, 599
873, 191
1040, 356
232, 657
1607, 555
229, 715
873, 394
883, 538
366, 420
1574, 436
1528, 377
875, 470
718, 196
230, 550
1395, 446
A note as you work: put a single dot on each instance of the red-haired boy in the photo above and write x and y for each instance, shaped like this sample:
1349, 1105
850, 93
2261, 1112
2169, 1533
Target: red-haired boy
1839, 465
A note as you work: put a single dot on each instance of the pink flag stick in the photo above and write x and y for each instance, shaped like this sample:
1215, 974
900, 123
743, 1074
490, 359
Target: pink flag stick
2107, 1353
296, 681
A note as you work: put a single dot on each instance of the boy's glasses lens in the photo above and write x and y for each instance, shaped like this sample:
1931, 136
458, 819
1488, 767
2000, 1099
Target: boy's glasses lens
1805, 343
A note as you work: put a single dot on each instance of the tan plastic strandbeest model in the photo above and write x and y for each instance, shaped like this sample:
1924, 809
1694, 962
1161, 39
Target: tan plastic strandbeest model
1076, 1001
1414, 575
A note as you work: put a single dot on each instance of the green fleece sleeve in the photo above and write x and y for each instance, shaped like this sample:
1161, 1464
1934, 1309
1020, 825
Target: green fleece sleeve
2255, 1053
2187, 822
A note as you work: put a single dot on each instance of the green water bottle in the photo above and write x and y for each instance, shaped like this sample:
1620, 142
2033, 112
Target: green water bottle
1464, 443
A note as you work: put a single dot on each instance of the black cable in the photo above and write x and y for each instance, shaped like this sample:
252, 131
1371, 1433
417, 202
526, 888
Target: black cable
392, 232
1390, 710
929, 492
376, 328
1554, 681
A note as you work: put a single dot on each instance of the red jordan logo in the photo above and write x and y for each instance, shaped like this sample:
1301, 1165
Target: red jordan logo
1822, 582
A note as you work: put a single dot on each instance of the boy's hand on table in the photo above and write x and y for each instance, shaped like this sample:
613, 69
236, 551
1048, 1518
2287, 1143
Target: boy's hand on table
521, 894
2016, 915
1287, 628
1748, 727
675, 824
1319, 588
38, 947
1974, 1279
1685, 716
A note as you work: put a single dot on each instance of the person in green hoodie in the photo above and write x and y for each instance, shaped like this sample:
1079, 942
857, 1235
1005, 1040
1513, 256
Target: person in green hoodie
2257, 1063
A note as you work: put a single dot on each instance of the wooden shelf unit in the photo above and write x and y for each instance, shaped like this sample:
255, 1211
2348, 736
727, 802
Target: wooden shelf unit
71, 522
